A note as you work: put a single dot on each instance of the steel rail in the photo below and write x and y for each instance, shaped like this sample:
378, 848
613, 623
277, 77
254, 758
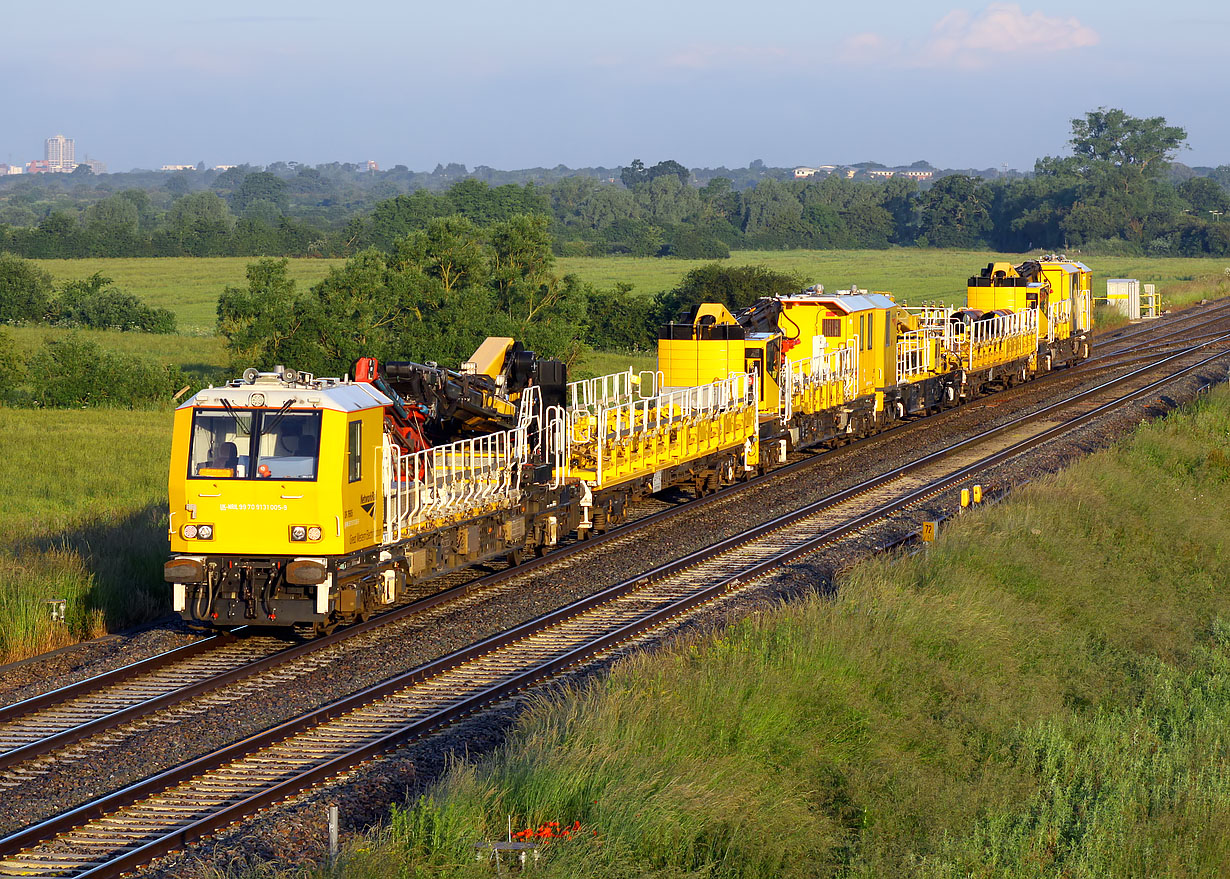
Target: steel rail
180, 836
111, 720
161, 662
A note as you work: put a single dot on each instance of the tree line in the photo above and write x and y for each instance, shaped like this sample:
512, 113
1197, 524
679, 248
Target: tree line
437, 292
1119, 191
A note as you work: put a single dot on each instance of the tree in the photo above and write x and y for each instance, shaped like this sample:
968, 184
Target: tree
1203, 194
257, 188
669, 168
633, 174
736, 287
1112, 137
955, 212
200, 223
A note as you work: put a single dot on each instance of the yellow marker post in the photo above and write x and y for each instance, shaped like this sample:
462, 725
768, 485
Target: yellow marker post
964, 498
977, 494
928, 531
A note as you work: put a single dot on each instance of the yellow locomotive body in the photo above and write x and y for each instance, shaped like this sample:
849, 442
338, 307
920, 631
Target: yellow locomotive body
297, 501
312, 502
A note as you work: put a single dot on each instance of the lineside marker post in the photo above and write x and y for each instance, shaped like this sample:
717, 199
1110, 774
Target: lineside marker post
929, 529
333, 834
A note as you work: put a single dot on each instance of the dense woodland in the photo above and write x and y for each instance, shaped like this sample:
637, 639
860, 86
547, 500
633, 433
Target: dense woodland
1119, 191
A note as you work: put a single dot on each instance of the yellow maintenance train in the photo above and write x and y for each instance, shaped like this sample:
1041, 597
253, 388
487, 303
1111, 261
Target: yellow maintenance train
311, 502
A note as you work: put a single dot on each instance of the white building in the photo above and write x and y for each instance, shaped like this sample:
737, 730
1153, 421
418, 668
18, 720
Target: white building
178, 168
61, 153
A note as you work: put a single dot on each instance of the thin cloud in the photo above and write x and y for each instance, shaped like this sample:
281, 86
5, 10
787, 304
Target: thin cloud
973, 40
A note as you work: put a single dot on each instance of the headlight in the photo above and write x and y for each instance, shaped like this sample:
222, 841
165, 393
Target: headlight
205, 532
314, 533
298, 532
189, 532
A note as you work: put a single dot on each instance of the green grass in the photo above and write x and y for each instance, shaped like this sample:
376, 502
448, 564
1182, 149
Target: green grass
198, 355
189, 286
83, 518
1045, 693
910, 275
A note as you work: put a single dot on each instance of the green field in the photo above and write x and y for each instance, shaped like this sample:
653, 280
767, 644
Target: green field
1044, 693
912, 275
190, 287
83, 518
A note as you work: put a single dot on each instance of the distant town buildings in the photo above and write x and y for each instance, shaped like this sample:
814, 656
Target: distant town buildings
178, 168
372, 166
59, 157
823, 171
803, 172
60, 154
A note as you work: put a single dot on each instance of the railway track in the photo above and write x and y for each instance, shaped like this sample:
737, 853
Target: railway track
130, 827
99, 708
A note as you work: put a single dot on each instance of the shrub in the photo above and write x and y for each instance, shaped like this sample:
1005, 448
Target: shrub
94, 302
78, 373
25, 290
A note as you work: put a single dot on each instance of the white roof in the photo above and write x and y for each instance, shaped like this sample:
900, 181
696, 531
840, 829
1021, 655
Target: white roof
846, 302
339, 396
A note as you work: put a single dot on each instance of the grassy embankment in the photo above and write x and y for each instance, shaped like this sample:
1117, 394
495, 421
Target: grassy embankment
1046, 693
82, 518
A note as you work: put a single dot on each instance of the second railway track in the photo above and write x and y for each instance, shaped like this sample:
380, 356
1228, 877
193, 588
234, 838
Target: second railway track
133, 825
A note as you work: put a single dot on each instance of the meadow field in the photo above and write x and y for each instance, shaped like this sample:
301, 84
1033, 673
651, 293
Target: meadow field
1044, 693
190, 286
82, 518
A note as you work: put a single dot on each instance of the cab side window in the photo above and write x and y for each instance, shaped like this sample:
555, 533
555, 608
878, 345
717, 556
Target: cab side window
354, 450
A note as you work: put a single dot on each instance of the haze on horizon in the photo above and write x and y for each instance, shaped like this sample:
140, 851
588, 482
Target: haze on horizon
141, 84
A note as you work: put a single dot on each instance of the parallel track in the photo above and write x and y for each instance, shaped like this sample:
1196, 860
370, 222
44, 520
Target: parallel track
53, 721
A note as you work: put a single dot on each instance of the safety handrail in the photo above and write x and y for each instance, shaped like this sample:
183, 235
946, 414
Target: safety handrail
453, 480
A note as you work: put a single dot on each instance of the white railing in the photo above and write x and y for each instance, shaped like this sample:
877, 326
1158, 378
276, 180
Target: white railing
454, 481
914, 353
932, 317
1057, 312
1000, 328
623, 419
800, 376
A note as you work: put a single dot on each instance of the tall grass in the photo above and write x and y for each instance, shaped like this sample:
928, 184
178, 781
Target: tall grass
1045, 693
82, 518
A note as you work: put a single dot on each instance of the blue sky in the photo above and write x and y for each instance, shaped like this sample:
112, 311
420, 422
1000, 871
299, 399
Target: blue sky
141, 84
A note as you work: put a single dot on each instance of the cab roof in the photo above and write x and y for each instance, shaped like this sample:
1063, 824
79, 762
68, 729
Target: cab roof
843, 302
306, 392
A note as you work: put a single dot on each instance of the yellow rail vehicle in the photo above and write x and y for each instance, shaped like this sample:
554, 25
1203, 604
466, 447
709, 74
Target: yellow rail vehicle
269, 478
312, 502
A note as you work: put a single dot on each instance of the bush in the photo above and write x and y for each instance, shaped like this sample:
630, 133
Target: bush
94, 302
617, 320
688, 243
78, 373
25, 290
